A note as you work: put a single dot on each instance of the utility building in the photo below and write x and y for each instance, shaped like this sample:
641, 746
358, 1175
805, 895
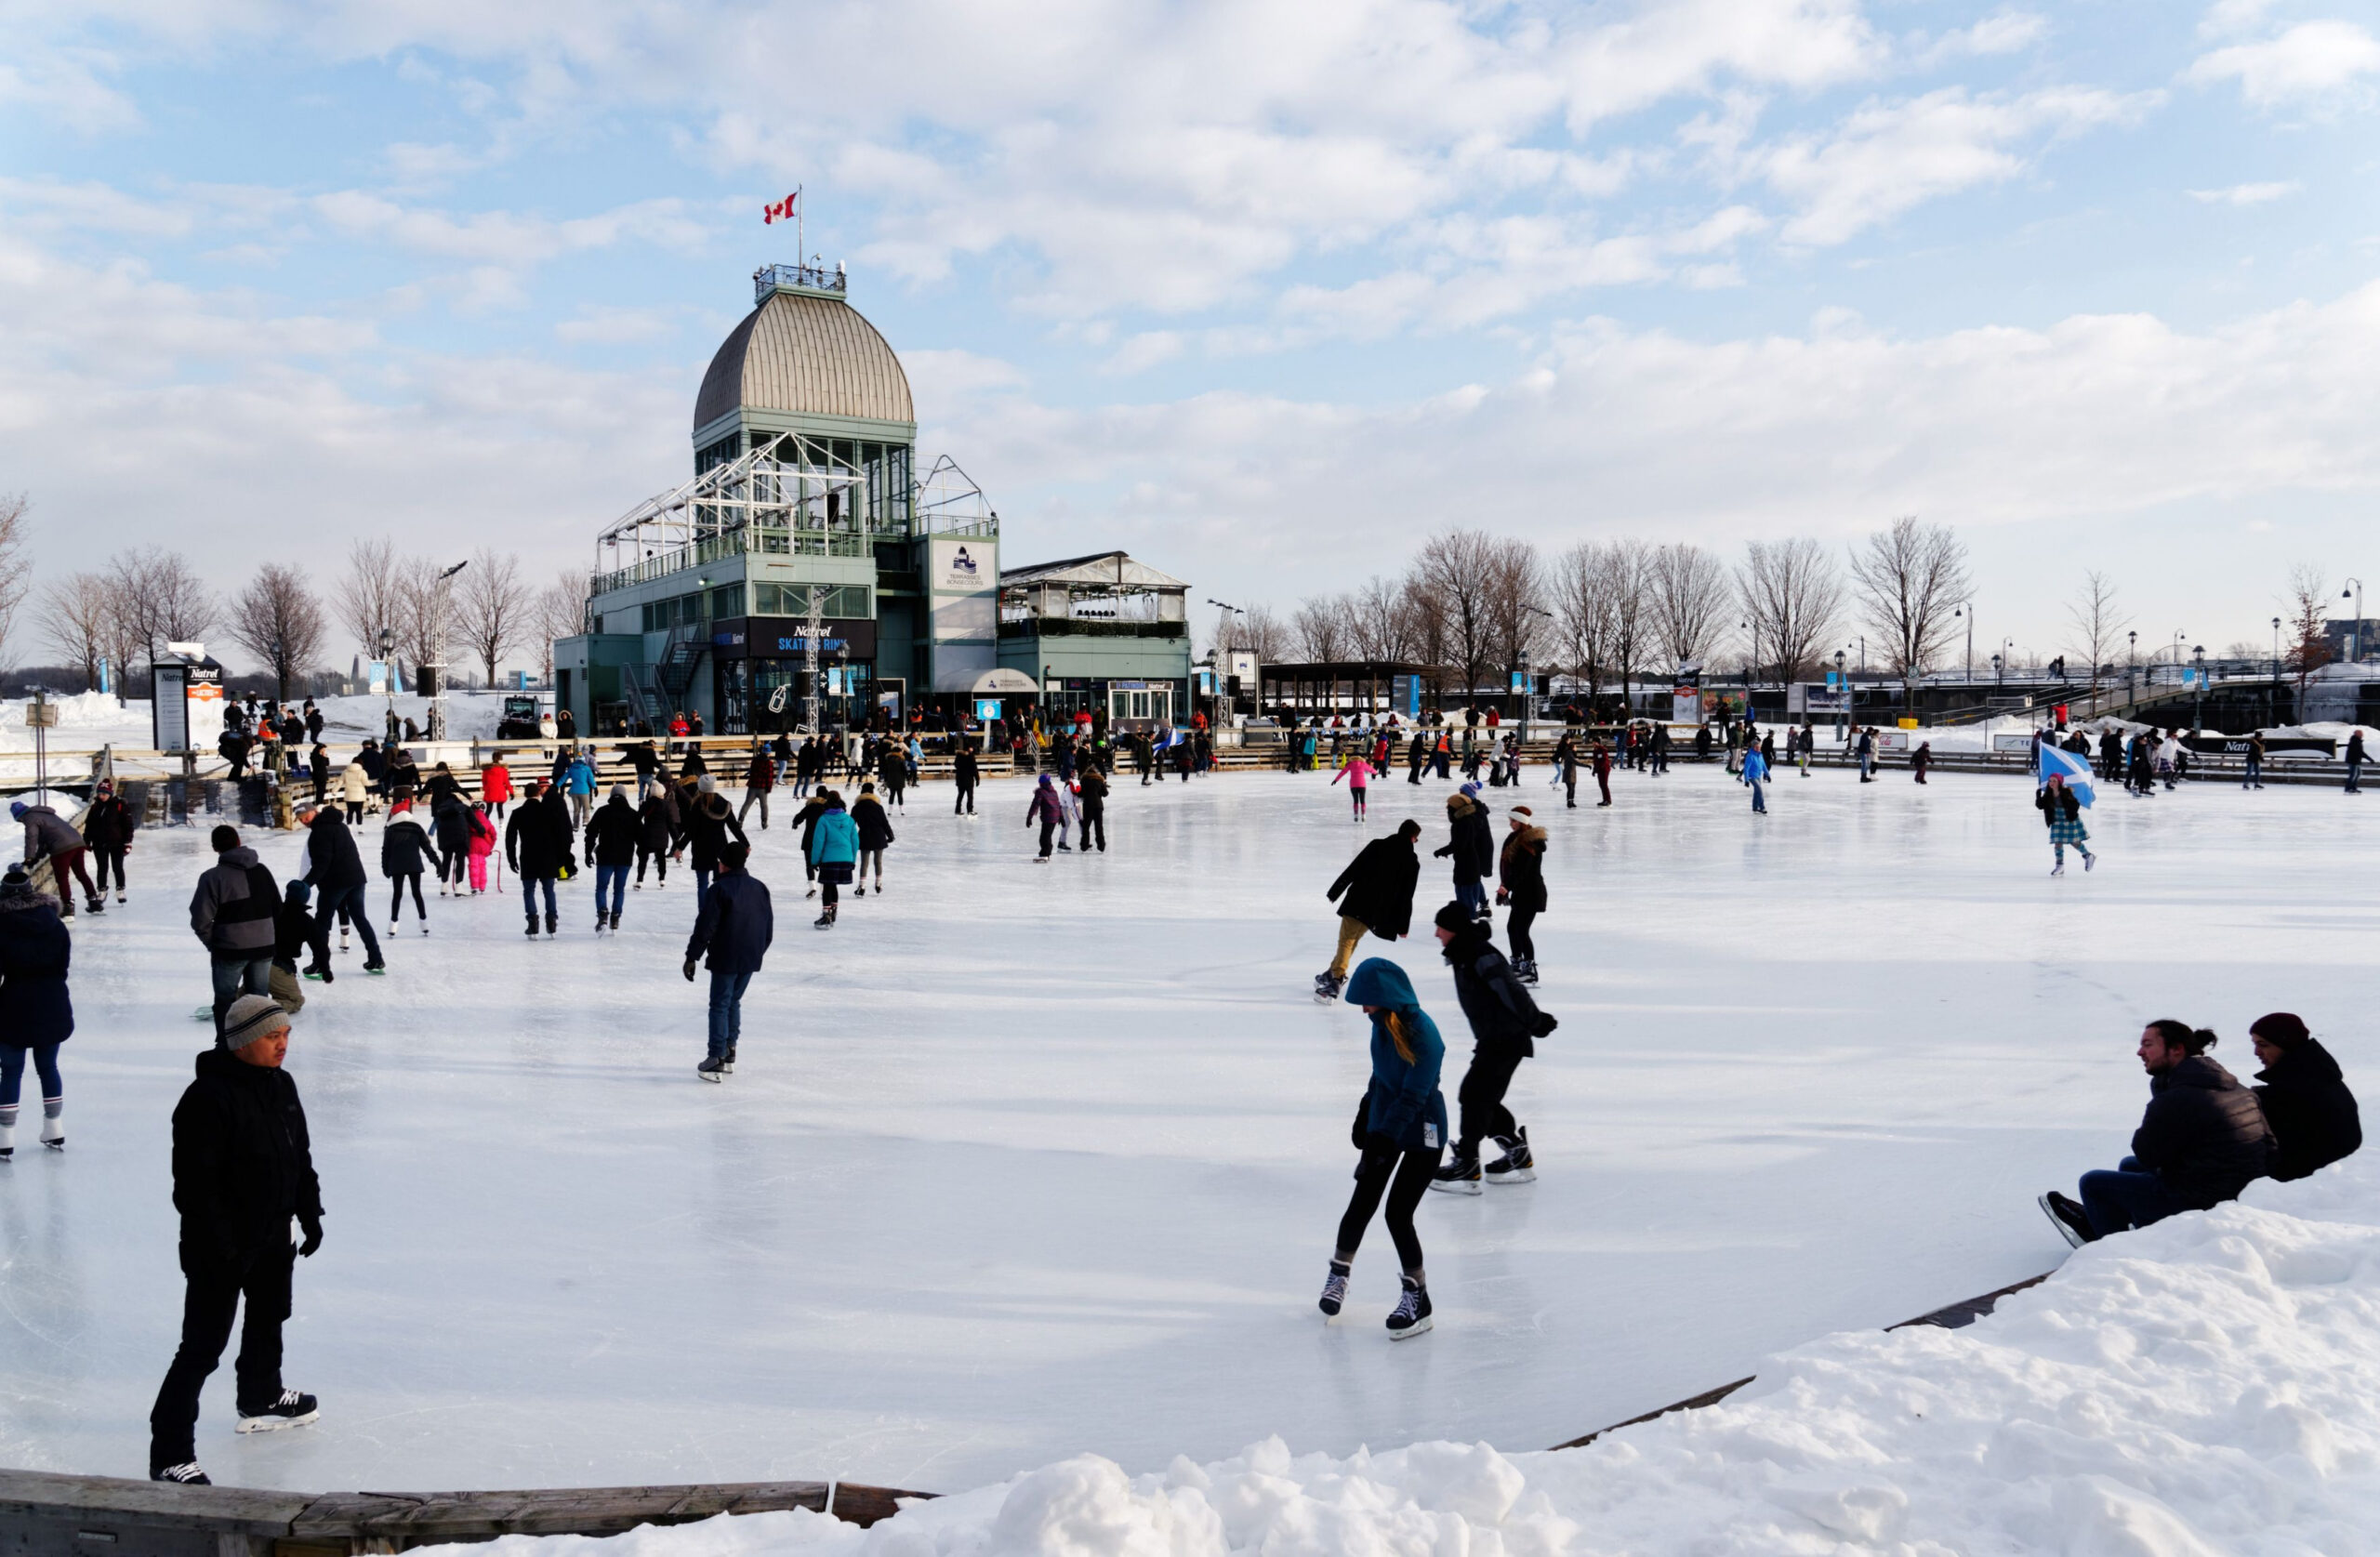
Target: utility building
1102, 634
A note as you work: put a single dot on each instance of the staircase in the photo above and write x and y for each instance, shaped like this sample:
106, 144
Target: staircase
689, 642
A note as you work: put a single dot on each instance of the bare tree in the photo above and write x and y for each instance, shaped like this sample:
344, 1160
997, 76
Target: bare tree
276, 619
1910, 579
1688, 603
2099, 623
75, 616
1516, 617
1581, 588
496, 607
1459, 571
159, 598
560, 612
1791, 595
370, 598
1425, 619
1634, 583
1379, 622
16, 562
2302, 623
1323, 625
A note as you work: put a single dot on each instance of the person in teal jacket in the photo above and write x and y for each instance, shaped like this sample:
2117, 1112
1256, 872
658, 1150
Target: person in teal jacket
834, 845
1401, 1131
578, 783
1754, 774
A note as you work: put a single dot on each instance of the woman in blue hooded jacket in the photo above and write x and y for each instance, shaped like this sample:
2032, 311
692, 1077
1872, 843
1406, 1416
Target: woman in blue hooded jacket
834, 845
1401, 1131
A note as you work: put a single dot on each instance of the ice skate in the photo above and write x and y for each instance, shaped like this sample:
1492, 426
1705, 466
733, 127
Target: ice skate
95, 906
2073, 1223
119, 894
533, 929
375, 966
291, 1409
53, 1132
425, 927
2058, 869
2088, 860
859, 891
1524, 968
1458, 1177
824, 922
712, 1070
7, 1142
1412, 1316
392, 927
186, 1474
727, 1062
553, 924
1326, 987
1515, 1167
1334, 1289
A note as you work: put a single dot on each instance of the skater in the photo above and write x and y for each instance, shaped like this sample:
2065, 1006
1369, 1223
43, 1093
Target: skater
1505, 1025
404, 850
1520, 881
1377, 885
964, 767
37, 1013
1754, 774
892, 771
1470, 848
875, 836
1401, 1130
1566, 770
479, 843
759, 777
2254, 776
108, 827
2354, 786
48, 837
1044, 808
536, 843
354, 791
294, 930
1807, 741
613, 835
2061, 811
2306, 1102
496, 787
1921, 759
242, 1167
732, 929
2200, 1143
443, 786
578, 780
1091, 805
1866, 751
1358, 774
652, 836
807, 820
1660, 750
1416, 753
449, 828
333, 869
707, 826
834, 847
232, 913
1603, 772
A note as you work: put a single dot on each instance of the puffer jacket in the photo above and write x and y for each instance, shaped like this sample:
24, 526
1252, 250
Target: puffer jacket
2312, 1114
47, 833
835, 840
1501, 1014
1471, 846
35, 951
1520, 869
406, 848
2203, 1134
1402, 1105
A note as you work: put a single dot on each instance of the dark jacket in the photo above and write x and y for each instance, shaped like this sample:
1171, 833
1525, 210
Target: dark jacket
734, 926
1470, 844
442, 789
875, 827
47, 833
2311, 1113
1521, 868
332, 860
243, 1163
404, 849
612, 833
1494, 1001
2059, 805
36, 949
296, 929
1092, 785
536, 841
450, 821
708, 828
653, 822
110, 823
1379, 883
233, 907
965, 769
2203, 1134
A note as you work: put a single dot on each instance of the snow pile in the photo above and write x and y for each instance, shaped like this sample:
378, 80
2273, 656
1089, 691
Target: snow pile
2208, 1385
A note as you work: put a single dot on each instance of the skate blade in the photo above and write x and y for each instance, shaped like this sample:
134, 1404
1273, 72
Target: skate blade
2073, 1239
1517, 1176
1419, 1327
274, 1424
711, 1077
1456, 1186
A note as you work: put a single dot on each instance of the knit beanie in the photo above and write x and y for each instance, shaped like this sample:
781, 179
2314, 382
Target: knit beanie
2284, 1030
706, 785
1456, 918
250, 1018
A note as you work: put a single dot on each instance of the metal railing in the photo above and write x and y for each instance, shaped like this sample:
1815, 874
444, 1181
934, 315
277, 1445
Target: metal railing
767, 278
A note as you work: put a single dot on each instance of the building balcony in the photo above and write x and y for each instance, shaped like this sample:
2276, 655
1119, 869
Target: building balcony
1068, 626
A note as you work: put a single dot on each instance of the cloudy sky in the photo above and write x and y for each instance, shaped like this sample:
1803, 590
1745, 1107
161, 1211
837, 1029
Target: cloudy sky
1264, 293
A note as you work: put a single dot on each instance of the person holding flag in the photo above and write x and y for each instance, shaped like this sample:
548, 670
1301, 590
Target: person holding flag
2065, 790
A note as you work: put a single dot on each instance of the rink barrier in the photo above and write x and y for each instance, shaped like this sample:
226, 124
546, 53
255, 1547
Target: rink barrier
44, 1514
1955, 1316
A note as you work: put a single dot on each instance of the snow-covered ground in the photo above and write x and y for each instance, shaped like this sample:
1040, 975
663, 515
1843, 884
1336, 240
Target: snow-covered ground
1023, 1162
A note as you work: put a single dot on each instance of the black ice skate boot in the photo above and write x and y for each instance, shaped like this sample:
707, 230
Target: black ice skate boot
1334, 1288
2073, 1223
1524, 969
712, 1070
1326, 987
186, 1474
553, 924
1515, 1167
1460, 1176
1412, 1316
288, 1409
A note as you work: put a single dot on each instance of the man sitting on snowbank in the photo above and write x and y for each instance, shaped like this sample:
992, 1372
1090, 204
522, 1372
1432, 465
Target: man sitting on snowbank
2200, 1143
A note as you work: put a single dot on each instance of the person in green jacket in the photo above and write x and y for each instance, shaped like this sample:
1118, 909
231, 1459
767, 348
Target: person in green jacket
834, 847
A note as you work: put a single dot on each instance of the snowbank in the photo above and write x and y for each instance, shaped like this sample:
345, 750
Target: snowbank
2208, 1385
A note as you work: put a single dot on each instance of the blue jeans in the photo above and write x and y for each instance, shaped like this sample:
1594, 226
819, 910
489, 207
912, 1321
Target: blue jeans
349, 902
2255, 774
236, 975
726, 1011
613, 878
1759, 801
1472, 895
12, 1074
529, 896
2126, 1198
703, 878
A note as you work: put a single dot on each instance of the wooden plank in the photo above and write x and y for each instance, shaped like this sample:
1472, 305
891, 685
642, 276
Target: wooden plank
1692, 1402
411, 1519
41, 1495
1958, 1316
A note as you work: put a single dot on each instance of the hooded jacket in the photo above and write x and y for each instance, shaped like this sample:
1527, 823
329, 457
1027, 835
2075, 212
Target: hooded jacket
708, 827
404, 847
495, 784
232, 909
835, 839
1469, 843
536, 841
450, 823
1494, 1001
875, 827
2203, 1134
110, 822
652, 823
332, 863
612, 833
2309, 1110
1402, 1106
47, 833
243, 1162
1520, 868
35, 951
1379, 885
1044, 806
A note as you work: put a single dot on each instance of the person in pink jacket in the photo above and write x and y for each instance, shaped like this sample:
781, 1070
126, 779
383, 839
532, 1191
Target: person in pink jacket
483, 845
1358, 774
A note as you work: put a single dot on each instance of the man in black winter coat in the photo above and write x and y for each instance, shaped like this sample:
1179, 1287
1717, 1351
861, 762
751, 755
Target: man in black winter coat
735, 927
2200, 1140
1377, 885
335, 870
2305, 1098
536, 844
1505, 1025
242, 1167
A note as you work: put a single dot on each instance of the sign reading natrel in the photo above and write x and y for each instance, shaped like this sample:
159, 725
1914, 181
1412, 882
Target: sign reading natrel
763, 638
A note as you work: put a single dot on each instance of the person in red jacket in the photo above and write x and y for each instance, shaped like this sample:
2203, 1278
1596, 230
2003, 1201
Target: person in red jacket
759, 777
495, 787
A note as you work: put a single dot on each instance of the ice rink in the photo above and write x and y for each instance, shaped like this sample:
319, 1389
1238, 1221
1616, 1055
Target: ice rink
1023, 1160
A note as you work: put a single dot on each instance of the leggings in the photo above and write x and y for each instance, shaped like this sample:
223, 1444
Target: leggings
1411, 1172
1516, 928
12, 1074
1357, 796
860, 870
109, 859
397, 896
354, 814
451, 867
659, 855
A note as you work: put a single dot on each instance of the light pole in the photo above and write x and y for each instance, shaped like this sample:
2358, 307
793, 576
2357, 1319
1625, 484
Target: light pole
2272, 694
1231, 635
1842, 705
2132, 668
389, 675
2198, 702
438, 647
2355, 638
1963, 611
1998, 679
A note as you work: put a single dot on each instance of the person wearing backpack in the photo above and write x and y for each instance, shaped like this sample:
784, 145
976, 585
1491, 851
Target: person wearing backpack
1505, 1025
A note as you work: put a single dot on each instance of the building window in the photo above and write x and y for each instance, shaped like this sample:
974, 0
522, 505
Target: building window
726, 600
844, 602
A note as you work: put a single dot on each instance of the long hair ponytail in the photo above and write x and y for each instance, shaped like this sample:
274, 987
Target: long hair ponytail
1394, 1022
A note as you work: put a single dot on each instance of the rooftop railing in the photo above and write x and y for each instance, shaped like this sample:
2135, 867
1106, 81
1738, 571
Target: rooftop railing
818, 278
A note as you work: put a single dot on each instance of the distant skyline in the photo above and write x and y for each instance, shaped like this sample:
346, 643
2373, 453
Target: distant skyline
1264, 295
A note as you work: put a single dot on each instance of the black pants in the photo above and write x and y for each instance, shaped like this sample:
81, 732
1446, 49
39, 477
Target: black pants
1094, 822
397, 896
212, 1291
659, 855
1047, 827
1405, 1178
1481, 1097
1517, 927
354, 813
113, 859
450, 870
966, 801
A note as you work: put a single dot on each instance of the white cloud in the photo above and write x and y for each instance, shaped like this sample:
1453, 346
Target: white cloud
506, 238
63, 85
2000, 33
2246, 195
616, 326
2310, 62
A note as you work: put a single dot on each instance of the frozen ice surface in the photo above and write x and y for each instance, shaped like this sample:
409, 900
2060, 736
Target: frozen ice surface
1022, 1161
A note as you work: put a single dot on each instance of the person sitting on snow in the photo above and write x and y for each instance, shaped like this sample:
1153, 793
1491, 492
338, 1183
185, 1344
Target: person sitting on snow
2200, 1143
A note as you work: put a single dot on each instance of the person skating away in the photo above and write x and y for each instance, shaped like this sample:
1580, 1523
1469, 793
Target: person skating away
333, 867
733, 931
2354, 781
578, 779
232, 913
450, 830
967, 771
440, 787
1417, 754
875, 836
1922, 758
708, 827
653, 836
1468, 848
834, 849
1866, 751
1505, 1025
1400, 1129
1378, 899
807, 820
48, 836
892, 773
759, 777
2169, 757
1601, 756
108, 827
1566, 770
1358, 774
1091, 805
2200, 1141
496, 787
1754, 776
2254, 778
36, 1012
1044, 808
536, 843
2143, 775
244, 1166
1520, 882
296, 929
2061, 811
2305, 1098
405, 851
479, 843
613, 836
1660, 752
354, 791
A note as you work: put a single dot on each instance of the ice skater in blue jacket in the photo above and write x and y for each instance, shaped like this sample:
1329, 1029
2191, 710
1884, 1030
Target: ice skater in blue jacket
1401, 1131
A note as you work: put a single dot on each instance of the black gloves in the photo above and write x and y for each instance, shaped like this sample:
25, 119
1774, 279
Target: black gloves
689, 969
313, 1226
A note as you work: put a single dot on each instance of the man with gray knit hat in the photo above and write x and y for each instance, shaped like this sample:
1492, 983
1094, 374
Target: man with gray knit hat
242, 1167
234, 913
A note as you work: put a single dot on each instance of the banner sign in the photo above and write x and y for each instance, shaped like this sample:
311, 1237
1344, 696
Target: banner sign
2275, 746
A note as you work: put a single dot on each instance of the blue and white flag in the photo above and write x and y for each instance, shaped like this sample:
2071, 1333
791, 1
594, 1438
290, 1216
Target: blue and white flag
2074, 769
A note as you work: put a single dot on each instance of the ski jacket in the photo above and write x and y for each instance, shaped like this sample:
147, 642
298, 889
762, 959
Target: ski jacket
1402, 1108
2309, 1110
333, 862
406, 848
2060, 804
1469, 843
1090, 786
1044, 806
441, 788
483, 841
1520, 868
1495, 1002
612, 833
244, 1164
232, 910
875, 827
2203, 1133
35, 951
736, 924
835, 840
47, 833
354, 784
374, 764
1356, 772
449, 822
966, 769
1755, 769
110, 823
579, 778
709, 827
536, 841
652, 823
760, 774
1379, 883
294, 930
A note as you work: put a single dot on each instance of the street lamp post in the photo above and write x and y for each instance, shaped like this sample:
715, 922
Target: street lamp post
2198, 701
1843, 703
1231, 638
2355, 638
2272, 694
1999, 677
1963, 611
2131, 670
389, 675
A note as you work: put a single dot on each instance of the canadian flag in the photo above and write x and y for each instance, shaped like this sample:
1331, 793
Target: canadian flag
780, 208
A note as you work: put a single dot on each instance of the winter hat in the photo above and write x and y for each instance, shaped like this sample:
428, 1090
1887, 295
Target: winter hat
1456, 918
2284, 1030
17, 810
15, 883
1471, 789
706, 785
1523, 811
619, 792
253, 1017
